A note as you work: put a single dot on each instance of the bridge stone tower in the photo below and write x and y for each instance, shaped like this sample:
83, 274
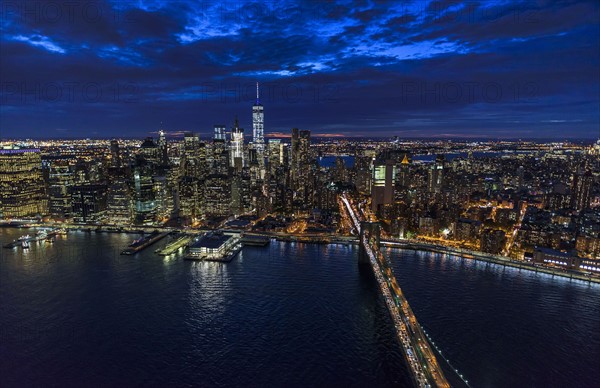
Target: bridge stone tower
372, 231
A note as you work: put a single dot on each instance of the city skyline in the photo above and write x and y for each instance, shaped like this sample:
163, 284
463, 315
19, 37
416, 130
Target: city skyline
276, 194
416, 70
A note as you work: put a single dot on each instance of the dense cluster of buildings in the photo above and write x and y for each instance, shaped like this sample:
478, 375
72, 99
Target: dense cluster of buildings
505, 198
161, 181
506, 202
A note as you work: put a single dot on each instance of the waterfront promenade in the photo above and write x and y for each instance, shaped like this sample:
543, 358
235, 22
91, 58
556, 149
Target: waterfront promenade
324, 238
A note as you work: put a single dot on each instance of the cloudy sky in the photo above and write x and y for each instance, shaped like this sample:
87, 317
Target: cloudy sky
438, 69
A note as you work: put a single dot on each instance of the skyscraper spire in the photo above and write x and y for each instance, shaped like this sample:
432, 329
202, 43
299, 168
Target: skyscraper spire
258, 123
258, 119
257, 94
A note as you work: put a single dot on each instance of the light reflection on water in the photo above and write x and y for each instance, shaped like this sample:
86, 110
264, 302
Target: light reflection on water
285, 314
504, 326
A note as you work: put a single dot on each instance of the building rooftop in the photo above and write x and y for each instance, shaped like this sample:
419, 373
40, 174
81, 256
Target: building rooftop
211, 241
553, 252
17, 150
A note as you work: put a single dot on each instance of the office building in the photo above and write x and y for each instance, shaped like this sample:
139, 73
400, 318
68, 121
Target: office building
237, 146
88, 202
219, 132
22, 191
382, 187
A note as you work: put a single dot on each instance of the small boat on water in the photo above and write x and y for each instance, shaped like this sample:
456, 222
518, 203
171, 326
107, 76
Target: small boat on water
57, 232
22, 241
41, 235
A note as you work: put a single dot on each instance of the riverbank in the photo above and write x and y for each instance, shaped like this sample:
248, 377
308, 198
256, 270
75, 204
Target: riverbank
494, 259
345, 240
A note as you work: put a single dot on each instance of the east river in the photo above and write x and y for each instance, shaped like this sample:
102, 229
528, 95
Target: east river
77, 313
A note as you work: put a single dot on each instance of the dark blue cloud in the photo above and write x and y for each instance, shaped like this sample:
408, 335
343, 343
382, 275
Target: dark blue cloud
423, 68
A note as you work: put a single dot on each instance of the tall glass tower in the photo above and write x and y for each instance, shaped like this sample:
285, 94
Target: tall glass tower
258, 117
162, 148
258, 139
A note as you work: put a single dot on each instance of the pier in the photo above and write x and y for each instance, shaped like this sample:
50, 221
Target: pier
144, 242
179, 243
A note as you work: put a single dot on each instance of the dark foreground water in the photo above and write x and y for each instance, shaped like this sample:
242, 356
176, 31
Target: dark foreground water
77, 313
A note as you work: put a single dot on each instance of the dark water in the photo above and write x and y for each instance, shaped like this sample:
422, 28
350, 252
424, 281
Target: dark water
77, 313
503, 327
329, 161
453, 155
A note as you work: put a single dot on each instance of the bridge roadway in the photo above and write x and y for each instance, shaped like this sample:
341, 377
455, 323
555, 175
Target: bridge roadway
425, 370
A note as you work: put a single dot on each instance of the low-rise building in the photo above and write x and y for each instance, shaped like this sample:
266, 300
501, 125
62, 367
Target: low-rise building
549, 256
214, 246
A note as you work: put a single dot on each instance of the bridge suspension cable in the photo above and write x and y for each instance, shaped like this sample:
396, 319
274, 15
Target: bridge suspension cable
422, 361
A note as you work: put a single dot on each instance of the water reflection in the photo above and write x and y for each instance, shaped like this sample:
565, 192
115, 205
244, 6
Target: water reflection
208, 289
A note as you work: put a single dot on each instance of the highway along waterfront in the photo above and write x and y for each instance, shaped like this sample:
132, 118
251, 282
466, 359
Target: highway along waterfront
77, 312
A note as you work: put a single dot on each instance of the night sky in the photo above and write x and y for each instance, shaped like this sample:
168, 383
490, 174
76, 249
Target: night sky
447, 69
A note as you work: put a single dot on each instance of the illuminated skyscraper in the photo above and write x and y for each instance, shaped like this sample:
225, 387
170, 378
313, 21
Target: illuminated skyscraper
218, 196
219, 132
60, 178
190, 157
119, 202
436, 175
88, 202
301, 165
218, 159
404, 172
149, 151
581, 190
163, 155
258, 140
294, 155
115, 153
275, 155
237, 145
145, 201
258, 117
382, 191
21, 183
144, 171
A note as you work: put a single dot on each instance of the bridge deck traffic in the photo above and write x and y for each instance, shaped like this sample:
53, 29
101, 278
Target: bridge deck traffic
425, 370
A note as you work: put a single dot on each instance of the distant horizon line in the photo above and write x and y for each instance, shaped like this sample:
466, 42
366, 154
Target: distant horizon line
459, 139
